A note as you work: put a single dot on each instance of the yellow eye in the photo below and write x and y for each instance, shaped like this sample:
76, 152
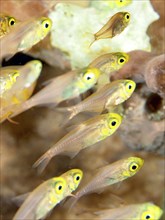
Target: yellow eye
122, 3
12, 21
130, 87
113, 123
119, 2
121, 60
77, 178
147, 215
47, 24
127, 16
59, 187
133, 167
89, 77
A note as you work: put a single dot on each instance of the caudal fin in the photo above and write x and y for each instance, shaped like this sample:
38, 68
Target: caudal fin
42, 162
92, 43
69, 113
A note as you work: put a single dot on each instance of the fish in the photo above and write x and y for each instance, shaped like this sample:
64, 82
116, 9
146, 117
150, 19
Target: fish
116, 24
84, 135
64, 87
108, 175
25, 35
47, 195
111, 94
141, 211
6, 23
110, 62
20, 88
107, 64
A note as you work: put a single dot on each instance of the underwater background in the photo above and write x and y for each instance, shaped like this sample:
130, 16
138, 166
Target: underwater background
142, 133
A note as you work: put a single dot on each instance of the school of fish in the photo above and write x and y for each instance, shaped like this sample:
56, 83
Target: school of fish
17, 84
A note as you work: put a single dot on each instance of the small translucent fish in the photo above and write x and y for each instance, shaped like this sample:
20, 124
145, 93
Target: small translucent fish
66, 86
73, 177
107, 64
110, 62
47, 195
25, 35
111, 94
143, 211
86, 134
19, 87
6, 23
108, 175
117, 23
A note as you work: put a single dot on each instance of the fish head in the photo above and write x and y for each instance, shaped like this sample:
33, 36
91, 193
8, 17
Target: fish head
73, 178
11, 21
34, 68
131, 166
151, 212
32, 31
59, 185
6, 22
114, 120
90, 76
127, 88
45, 25
121, 59
126, 18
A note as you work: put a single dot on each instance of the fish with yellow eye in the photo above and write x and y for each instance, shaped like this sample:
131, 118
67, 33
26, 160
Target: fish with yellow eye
19, 87
25, 35
108, 63
73, 177
84, 135
116, 24
110, 95
46, 196
143, 211
108, 175
6, 23
64, 87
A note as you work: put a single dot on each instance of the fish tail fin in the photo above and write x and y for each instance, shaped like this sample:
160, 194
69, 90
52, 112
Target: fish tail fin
95, 39
69, 113
91, 35
92, 42
42, 162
